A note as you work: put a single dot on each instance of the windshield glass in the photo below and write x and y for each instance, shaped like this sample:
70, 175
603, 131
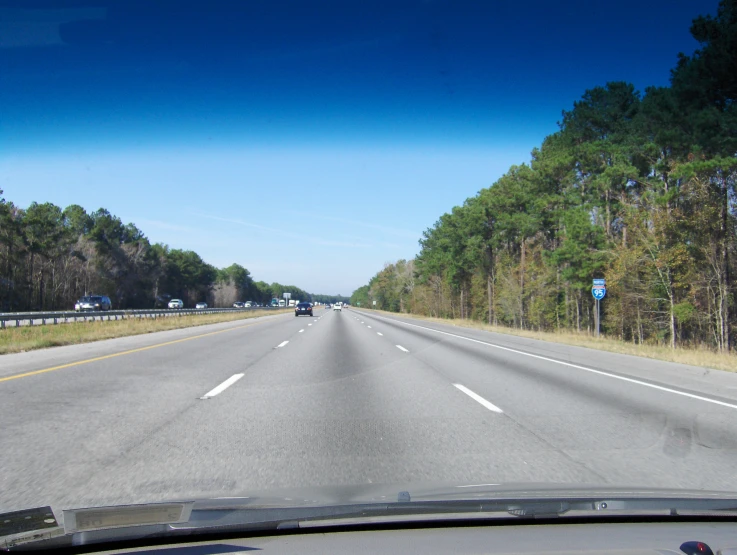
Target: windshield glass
532, 230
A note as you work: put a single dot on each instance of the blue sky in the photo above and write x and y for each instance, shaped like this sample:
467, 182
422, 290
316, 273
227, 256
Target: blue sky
310, 142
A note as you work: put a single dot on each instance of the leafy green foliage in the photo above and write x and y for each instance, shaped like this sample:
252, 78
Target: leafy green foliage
49, 257
639, 189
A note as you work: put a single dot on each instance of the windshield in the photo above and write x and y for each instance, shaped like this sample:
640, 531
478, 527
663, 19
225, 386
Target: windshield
532, 231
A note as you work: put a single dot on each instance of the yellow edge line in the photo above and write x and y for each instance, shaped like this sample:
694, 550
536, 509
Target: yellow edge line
131, 351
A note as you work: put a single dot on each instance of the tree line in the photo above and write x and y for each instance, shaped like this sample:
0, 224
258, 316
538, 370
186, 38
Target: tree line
637, 188
49, 257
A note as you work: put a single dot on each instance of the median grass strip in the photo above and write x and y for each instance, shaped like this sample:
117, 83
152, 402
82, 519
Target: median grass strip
26, 338
683, 355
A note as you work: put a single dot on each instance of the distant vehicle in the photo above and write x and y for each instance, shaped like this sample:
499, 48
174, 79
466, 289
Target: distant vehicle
338, 306
292, 302
274, 302
239, 304
201, 305
303, 308
176, 303
93, 303
327, 306
248, 304
282, 302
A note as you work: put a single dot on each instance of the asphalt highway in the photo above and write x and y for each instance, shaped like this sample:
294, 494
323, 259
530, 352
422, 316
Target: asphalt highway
349, 398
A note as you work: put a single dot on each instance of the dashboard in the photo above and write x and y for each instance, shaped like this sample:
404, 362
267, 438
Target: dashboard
607, 538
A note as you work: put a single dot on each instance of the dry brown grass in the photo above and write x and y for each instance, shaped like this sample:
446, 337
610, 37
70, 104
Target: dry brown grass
684, 355
26, 338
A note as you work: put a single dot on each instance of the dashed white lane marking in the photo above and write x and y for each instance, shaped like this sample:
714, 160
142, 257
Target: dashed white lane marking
369, 327
478, 398
379, 333
223, 386
570, 365
309, 324
362, 322
300, 331
401, 348
282, 344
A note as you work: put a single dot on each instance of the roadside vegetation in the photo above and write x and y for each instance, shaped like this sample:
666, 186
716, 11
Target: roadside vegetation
50, 257
639, 188
27, 338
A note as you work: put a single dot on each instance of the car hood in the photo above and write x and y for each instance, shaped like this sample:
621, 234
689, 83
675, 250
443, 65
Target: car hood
349, 505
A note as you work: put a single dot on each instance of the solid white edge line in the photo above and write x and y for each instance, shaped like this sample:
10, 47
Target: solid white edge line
570, 365
478, 398
282, 344
223, 386
401, 348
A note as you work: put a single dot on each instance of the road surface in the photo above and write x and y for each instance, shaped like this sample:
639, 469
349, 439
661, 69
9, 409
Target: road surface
344, 399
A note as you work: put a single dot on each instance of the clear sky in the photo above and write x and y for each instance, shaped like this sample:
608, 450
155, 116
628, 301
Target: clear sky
310, 142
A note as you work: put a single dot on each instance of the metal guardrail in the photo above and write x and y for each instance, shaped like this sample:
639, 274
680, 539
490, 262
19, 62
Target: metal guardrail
19, 319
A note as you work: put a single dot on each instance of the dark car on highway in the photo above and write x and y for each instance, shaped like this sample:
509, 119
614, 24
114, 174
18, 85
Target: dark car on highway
303, 308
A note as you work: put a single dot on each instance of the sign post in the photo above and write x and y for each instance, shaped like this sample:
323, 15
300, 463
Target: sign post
287, 296
598, 290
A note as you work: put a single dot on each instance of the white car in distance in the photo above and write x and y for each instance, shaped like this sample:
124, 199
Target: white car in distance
176, 303
338, 306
